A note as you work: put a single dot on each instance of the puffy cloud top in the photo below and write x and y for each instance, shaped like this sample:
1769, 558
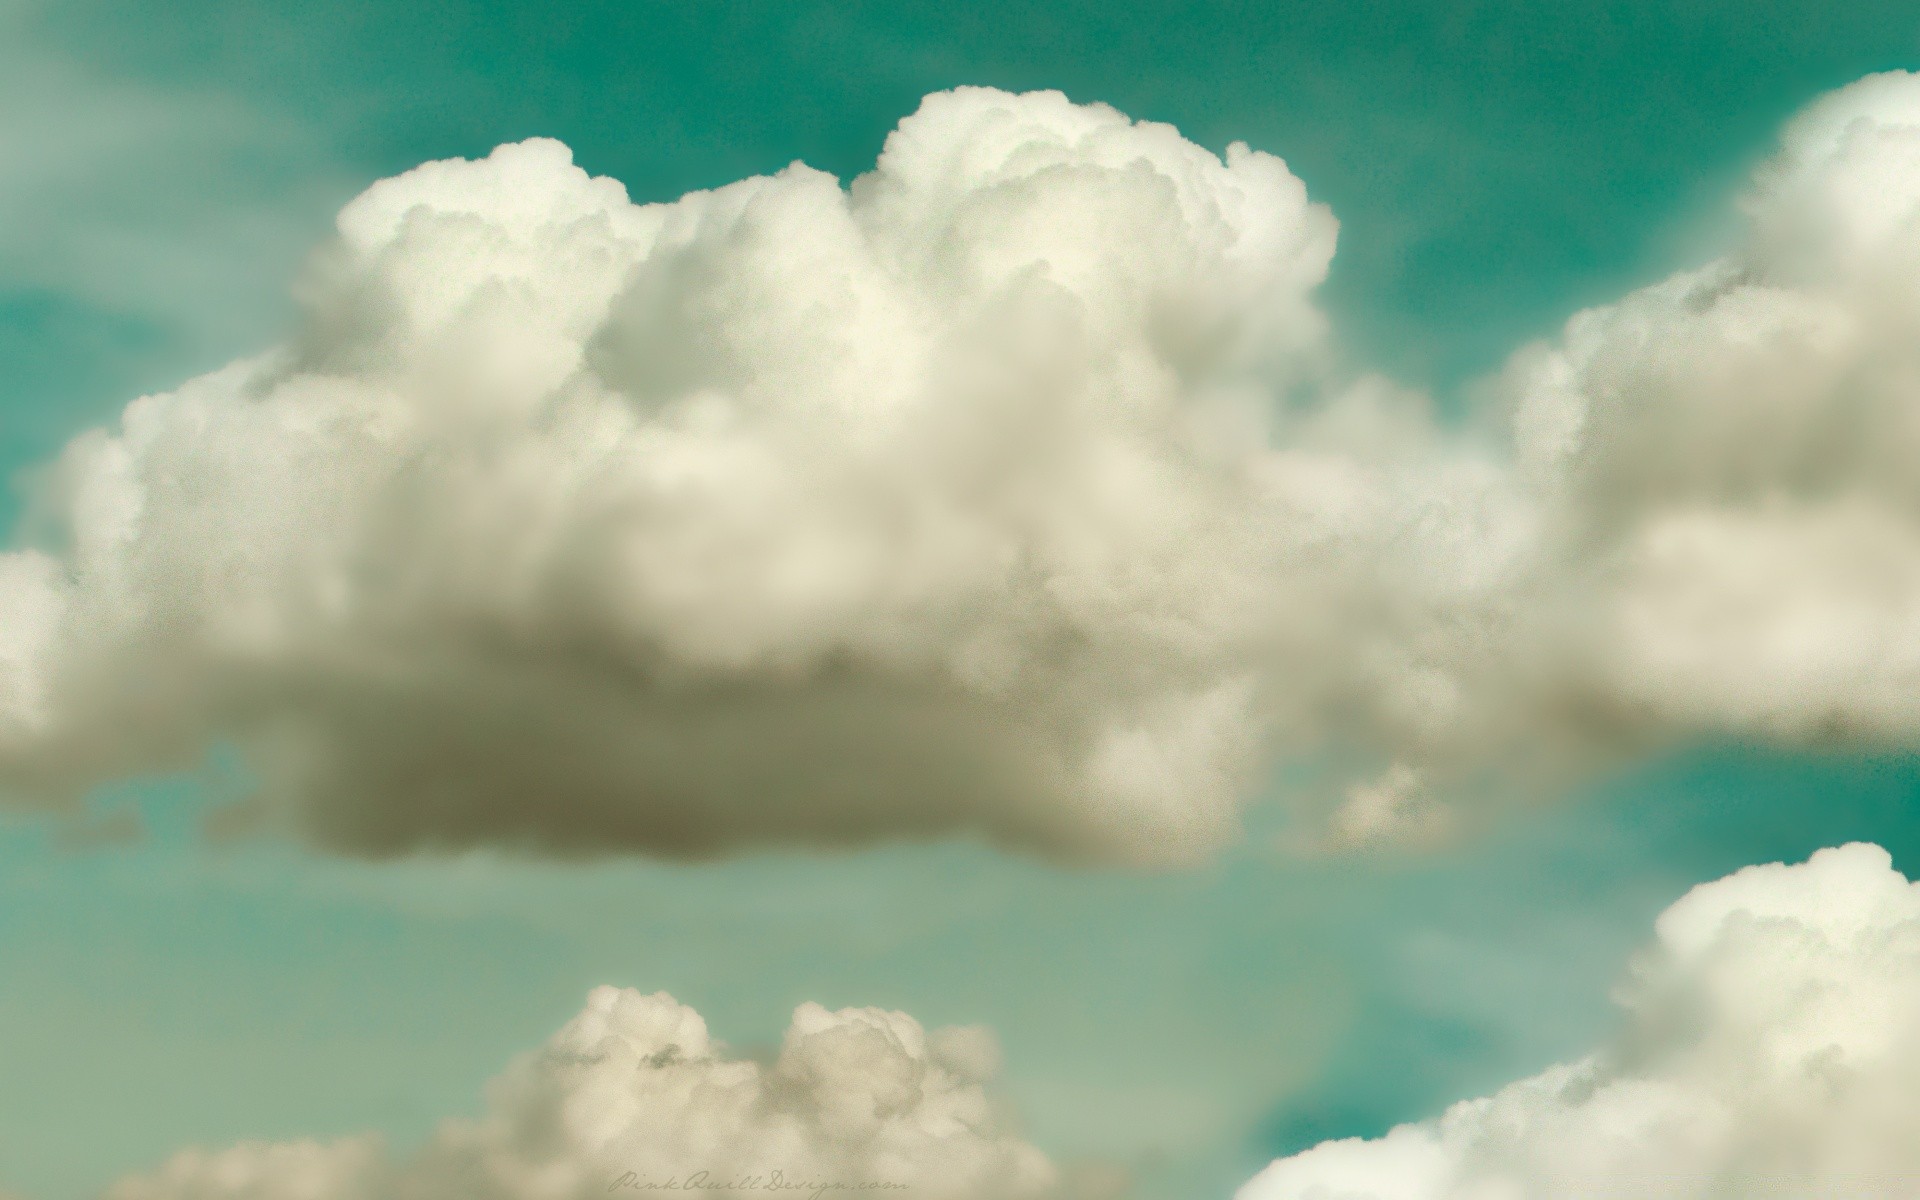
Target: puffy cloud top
779, 513
632, 1095
1771, 1041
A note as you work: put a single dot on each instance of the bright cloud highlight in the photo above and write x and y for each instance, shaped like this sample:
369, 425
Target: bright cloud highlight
1770, 1049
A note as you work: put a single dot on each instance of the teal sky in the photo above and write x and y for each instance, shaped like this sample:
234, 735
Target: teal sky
1494, 166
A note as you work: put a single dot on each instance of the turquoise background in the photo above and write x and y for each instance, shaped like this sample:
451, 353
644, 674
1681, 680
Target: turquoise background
1495, 166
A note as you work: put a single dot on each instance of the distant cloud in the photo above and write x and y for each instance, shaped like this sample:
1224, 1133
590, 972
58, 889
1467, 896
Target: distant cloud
634, 1092
1771, 1048
1012, 490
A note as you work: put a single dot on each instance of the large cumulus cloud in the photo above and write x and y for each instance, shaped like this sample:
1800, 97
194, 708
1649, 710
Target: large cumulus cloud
1770, 1050
783, 512
632, 1097
1012, 489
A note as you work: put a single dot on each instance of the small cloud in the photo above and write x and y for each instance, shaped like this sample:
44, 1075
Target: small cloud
632, 1093
1771, 1048
1393, 810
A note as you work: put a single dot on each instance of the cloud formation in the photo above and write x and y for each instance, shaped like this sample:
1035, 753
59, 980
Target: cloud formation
633, 1089
1726, 451
780, 513
1718, 535
1713, 531
1012, 489
1770, 1049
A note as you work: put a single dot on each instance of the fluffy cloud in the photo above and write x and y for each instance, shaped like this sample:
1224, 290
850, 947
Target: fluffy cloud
1770, 1049
1725, 454
1011, 489
1720, 532
632, 1095
784, 512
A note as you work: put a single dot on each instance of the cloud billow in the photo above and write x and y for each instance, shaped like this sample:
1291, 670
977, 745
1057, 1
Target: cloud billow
1013, 489
1771, 1040
782, 513
633, 1097
1725, 455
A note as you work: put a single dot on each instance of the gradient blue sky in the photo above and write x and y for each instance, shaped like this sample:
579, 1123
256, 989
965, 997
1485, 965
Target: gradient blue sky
1494, 166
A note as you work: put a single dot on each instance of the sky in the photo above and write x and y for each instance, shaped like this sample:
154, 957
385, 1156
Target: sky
1494, 168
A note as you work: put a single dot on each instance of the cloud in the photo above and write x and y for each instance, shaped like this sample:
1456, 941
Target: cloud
1723, 454
633, 1089
1710, 527
1013, 489
1718, 534
1770, 1047
780, 513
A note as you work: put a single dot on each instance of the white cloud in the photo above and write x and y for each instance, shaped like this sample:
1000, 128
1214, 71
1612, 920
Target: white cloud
1770, 1049
1720, 533
783, 512
633, 1092
1725, 454
1010, 490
